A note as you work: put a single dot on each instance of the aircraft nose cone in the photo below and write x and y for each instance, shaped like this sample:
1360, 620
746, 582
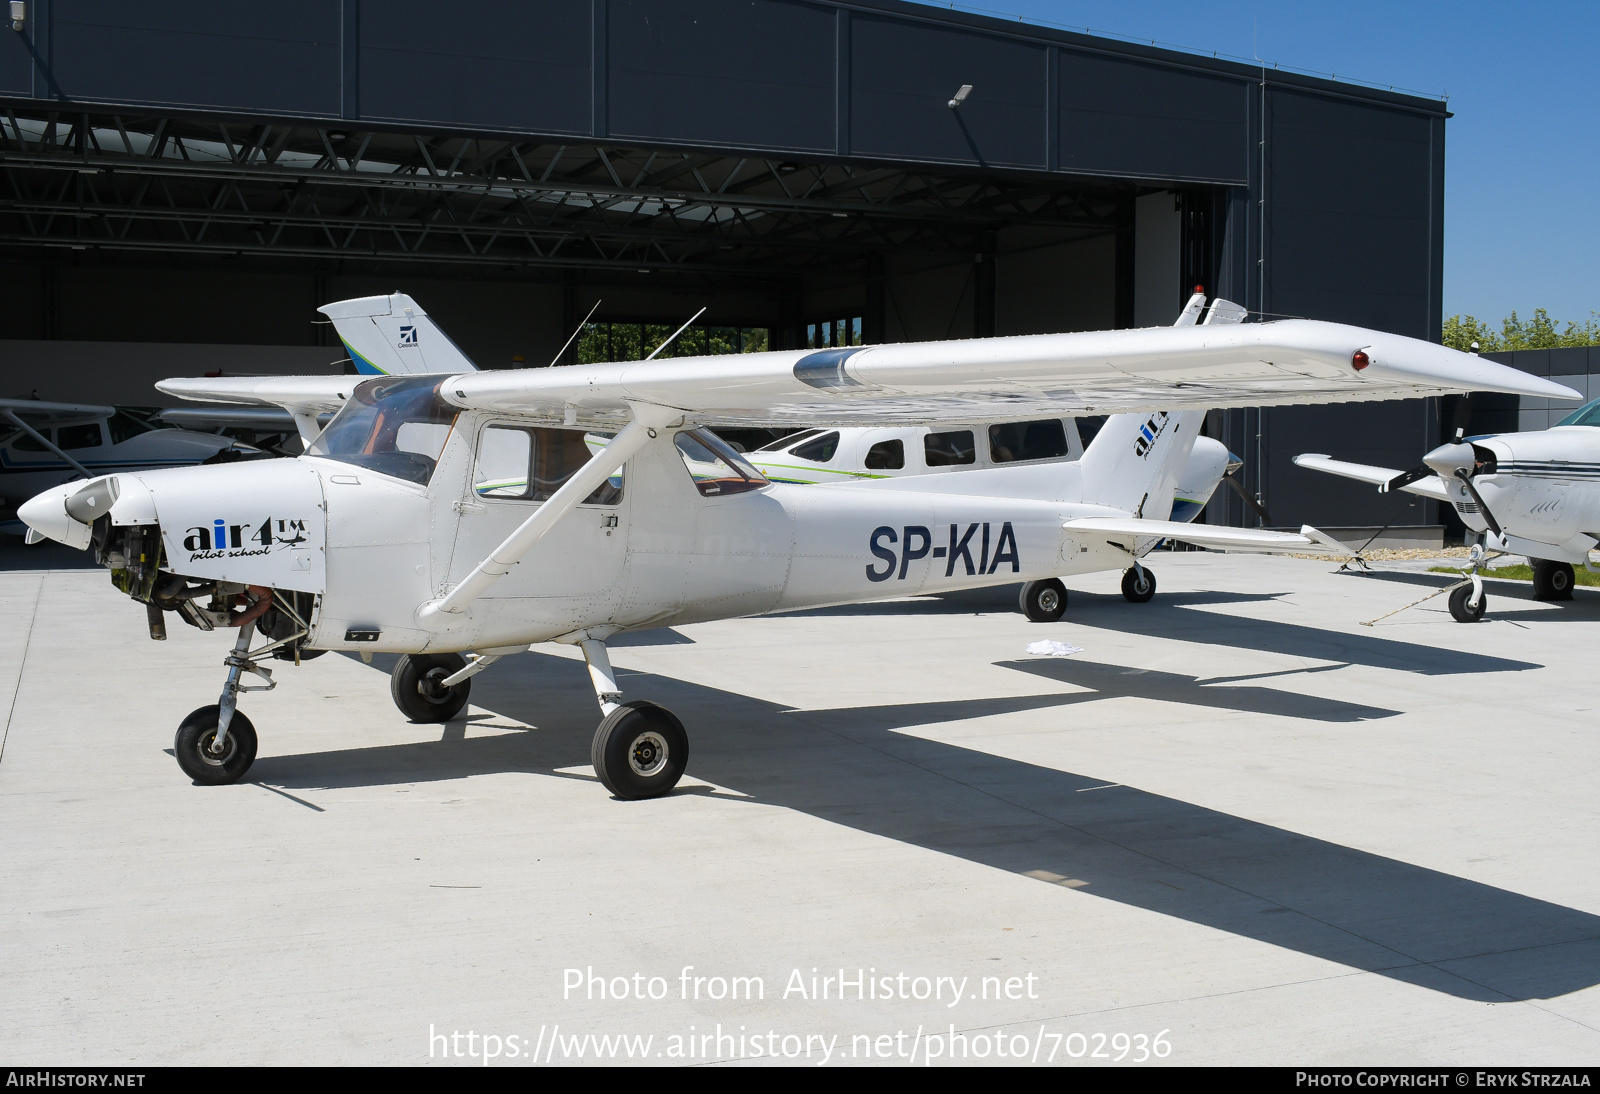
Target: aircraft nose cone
46, 514
1445, 459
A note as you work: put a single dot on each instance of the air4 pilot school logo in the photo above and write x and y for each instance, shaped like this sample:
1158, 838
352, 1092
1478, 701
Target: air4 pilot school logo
224, 540
1148, 433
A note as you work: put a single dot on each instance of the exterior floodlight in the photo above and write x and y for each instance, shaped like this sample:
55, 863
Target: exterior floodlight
960, 96
19, 15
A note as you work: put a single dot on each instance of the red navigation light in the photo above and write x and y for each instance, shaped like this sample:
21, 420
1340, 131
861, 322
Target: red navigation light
1360, 360
1200, 289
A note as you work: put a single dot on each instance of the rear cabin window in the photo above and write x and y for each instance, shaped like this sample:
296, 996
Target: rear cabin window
25, 443
79, 436
532, 463
949, 449
716, 468
125, 426
1027, 441
886, 456
820, 450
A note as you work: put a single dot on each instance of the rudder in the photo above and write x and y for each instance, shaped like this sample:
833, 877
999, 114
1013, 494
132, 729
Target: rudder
1135, 461
392, 336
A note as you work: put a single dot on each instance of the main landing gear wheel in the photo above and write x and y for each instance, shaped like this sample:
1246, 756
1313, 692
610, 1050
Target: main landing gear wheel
1138, 584
1552, 580
640, 750
1459, 608
192, 746
1044, 601
417, 686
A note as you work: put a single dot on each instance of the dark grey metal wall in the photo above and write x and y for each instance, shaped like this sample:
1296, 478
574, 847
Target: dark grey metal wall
1300, 196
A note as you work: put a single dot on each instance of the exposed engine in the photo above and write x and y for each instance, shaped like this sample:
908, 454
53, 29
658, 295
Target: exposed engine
134, 555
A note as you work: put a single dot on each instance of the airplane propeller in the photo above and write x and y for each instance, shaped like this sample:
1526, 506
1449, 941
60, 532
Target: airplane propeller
1249, 498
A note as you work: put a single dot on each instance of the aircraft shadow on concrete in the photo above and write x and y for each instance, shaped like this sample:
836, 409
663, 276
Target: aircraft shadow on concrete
1583, 607
1166, 617
850, 766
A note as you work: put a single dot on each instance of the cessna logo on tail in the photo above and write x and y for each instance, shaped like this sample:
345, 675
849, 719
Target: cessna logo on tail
1153, 428
224, 540
917, 542
408, 335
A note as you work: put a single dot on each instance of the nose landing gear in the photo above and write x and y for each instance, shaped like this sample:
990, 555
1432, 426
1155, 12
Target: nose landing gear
216, 744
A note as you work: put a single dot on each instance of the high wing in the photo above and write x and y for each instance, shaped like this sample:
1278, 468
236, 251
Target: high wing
1047, 375
1308, 539
37, 413
1430, 487
233, 417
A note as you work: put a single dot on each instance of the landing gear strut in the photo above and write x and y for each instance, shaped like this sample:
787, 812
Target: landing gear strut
217, 744
640, 749
1138, 584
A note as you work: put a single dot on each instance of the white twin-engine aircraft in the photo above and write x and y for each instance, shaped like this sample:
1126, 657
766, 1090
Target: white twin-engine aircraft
1535, 494
446, 511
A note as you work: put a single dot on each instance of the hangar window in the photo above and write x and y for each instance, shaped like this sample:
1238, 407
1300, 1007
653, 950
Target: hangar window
949, 449
1015, 441
716, 468
886, 456
601, 342
392, 425
531, 464
820, 450
828, 333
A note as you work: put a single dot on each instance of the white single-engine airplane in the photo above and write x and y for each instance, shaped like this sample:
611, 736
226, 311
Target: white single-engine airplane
1535, 494
445, 511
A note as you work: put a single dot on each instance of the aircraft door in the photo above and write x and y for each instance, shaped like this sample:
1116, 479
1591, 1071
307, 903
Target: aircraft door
516, 468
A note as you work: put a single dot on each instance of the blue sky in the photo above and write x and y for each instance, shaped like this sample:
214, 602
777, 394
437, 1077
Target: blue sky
1522, 154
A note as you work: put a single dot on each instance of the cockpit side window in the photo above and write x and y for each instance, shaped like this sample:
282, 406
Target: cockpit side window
532, 463
392, 425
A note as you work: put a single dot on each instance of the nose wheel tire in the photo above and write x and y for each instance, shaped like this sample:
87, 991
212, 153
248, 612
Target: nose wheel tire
640, 750
1044, 601
418, 689
206, 766
1138, 584
1459, 608
1552, 580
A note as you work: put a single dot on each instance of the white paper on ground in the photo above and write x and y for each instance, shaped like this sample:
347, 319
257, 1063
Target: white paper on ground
1051, 648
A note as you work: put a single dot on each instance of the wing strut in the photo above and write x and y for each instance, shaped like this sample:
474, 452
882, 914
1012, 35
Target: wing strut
634, 436
40, 437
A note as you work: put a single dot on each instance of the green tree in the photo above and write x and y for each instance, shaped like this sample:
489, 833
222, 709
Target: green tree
1539, 332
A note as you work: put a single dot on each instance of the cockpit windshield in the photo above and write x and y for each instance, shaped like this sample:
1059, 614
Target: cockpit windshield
392, 425
1587, 414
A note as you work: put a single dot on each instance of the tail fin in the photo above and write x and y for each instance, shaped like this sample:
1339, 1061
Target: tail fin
391, 336
1134, 462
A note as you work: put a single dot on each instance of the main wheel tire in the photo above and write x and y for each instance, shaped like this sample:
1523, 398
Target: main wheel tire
1044, 601
415, 685
640, 750
1138, 584
192, 747
1459, 609
1552, 580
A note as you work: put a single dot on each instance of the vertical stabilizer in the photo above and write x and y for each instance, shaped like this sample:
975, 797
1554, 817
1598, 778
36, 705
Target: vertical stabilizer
392, 336
1135, 460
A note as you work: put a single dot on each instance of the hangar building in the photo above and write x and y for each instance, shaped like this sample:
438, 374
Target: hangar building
184, 183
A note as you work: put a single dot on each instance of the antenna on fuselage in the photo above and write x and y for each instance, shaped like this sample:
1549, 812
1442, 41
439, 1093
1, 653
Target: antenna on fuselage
575, 333
675, 334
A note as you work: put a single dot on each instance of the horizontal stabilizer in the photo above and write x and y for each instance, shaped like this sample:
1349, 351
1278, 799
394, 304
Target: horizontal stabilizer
1430, 487
1308, 539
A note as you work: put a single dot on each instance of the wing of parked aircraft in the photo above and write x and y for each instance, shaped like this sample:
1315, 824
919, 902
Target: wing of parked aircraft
37, 413
1308, 539
1099, 372
1430, 487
